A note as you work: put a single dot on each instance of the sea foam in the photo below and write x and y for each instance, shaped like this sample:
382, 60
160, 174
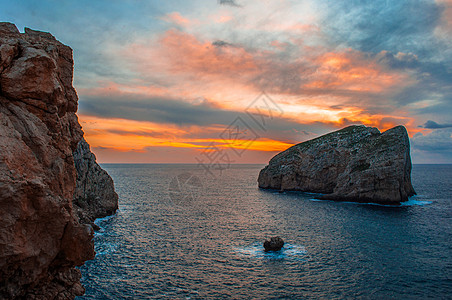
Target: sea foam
289, 251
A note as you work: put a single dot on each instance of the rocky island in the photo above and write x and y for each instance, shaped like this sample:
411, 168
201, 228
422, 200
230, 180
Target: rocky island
357, 163
51, 188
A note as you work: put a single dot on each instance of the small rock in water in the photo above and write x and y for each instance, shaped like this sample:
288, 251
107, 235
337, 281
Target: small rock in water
274, 244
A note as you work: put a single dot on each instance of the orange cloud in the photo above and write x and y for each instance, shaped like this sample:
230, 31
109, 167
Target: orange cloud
446, 17
328, 88
128, 135
230, 71
191, 68
352, 71
381, 121
221, 18
187, 54
176, 18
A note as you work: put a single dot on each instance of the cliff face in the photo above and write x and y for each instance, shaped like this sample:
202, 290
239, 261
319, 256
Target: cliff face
41, 239
357, 163
94, 196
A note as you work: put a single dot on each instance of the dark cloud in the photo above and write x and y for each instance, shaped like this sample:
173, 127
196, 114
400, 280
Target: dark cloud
433, 82
377, 25
401, 36
437, 141
433, 125
219, 43
175, 111
229, 2
398, 61
154, 109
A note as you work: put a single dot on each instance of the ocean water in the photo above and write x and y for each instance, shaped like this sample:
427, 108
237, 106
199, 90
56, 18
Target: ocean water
180, 233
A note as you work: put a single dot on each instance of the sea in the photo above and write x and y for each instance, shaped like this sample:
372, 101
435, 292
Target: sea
183, 232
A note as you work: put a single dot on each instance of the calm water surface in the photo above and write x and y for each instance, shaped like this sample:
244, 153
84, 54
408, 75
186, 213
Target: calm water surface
202, 240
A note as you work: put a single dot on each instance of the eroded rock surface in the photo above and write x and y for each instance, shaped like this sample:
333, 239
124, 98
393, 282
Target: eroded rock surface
94, 196
357, 163
41, 238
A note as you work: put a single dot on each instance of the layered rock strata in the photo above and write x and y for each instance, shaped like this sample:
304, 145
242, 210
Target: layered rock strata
41, 238
357, 163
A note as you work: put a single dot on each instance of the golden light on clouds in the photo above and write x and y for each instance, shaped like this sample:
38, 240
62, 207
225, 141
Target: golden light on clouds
127, 135
188, 85
174, 77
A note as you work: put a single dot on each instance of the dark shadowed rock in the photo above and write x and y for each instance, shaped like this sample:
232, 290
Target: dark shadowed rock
274, 244
357, 163
94, 196
41, 238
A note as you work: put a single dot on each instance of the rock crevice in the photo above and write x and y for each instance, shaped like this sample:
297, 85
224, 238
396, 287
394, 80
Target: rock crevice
357, 163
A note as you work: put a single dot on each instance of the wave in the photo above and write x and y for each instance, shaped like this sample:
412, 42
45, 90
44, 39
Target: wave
107, 248
411, 202
101, 223
289, 251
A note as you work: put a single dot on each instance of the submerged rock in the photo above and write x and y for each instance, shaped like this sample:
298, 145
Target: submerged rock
357, 163
41, 237
274, 244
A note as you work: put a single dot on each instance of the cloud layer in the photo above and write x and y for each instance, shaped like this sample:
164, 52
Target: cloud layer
186, 70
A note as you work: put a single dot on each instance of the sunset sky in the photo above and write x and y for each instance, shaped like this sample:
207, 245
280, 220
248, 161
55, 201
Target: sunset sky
183, 81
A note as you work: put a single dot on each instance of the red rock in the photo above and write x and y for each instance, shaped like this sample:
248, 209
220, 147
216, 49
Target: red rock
41, 238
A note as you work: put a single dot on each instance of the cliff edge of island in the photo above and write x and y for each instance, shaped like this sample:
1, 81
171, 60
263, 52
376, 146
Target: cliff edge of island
356, 163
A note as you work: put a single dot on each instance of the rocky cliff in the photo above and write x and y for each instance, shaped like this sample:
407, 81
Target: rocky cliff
94, 196
41, 238
357, 163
